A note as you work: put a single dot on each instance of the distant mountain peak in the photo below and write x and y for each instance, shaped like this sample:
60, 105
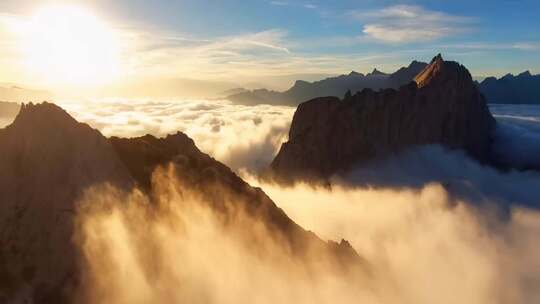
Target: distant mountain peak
329, 136
525, 74
376, 72
301, 83
509, 89
354, 73
508, 76
332, 86
416, 63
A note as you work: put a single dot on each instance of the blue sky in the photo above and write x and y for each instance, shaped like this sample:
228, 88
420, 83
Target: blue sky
292, 38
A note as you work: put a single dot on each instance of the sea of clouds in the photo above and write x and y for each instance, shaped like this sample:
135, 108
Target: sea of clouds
434, 225
248, 137
242, 137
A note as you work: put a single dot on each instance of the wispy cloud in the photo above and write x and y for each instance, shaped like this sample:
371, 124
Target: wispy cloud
244, 57
306, 5
279, 3
410, 23
520, 46
527, 46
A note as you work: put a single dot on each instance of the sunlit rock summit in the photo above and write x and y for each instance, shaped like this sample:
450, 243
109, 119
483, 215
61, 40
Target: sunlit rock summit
442, 106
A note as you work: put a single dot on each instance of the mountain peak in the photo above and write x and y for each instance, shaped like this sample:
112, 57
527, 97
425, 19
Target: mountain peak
301, 83
441, 70
508, 76
416, 63
328, 135
525, 74
43, 114
437, 58
354, 73
376, 72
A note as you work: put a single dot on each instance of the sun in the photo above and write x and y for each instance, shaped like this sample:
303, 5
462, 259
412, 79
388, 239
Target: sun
68, 45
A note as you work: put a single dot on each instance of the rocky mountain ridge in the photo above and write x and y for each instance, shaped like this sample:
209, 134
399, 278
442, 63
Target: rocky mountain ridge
48, 160
329, 135
333, 86
509, 89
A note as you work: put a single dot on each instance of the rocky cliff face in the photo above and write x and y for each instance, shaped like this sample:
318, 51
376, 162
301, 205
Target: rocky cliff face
329, 135
48, 160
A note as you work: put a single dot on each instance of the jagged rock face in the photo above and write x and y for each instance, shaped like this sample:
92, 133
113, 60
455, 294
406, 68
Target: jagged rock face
329, 135
48, 159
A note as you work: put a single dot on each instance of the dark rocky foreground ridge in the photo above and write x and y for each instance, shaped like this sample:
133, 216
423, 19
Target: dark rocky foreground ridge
48, 160
333, 86
442, 106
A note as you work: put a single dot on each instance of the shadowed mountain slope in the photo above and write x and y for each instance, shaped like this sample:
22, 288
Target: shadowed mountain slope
48, 160
521, 89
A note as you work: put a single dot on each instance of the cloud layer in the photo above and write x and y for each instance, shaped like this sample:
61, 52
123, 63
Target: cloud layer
240, 136
428, 221
420, 246
424, 246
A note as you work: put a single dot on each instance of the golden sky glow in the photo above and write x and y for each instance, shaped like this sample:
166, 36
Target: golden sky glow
167, 49
69, 45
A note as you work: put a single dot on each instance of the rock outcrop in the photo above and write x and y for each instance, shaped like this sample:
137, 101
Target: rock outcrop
521, 89
333, 86
48, 160
329, 135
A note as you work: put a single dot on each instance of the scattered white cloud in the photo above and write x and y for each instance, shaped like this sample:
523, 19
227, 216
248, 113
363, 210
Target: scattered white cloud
527, 46
410, 23
246, 58
521, 46
279, 3
307, 5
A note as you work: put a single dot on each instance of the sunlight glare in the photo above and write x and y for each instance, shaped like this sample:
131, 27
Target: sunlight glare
67, 45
